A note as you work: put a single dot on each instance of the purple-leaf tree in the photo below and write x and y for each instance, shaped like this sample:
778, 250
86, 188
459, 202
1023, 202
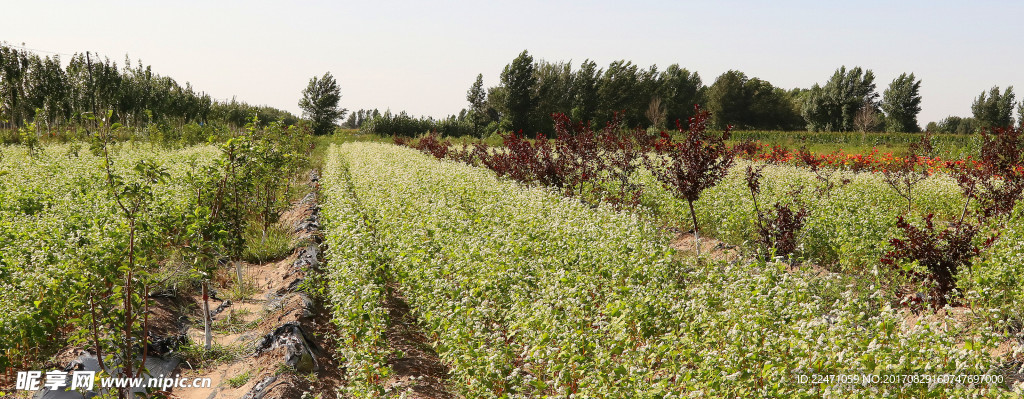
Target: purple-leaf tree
697, 163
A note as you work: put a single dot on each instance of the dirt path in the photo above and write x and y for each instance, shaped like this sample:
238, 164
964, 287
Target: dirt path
277, 338
709, 247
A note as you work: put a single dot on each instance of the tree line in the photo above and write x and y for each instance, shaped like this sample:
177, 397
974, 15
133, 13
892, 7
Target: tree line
530, 91
991, 108
42, 91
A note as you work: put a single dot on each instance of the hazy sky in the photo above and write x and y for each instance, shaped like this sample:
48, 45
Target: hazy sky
423, 56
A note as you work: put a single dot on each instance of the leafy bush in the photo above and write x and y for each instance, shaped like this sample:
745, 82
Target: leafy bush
777, 233
579, 162
941, 252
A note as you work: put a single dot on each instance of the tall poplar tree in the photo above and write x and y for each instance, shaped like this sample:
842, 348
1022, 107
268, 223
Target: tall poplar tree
320, 103
901, 103
477, 98
520, 98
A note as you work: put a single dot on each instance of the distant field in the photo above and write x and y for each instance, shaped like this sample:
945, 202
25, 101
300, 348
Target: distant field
946, 145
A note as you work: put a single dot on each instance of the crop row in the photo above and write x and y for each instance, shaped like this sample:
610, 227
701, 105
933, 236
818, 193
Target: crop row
847, 219
526, 293
851, 214
356, 280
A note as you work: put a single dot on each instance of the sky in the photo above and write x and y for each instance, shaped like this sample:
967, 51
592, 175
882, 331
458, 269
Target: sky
422, 57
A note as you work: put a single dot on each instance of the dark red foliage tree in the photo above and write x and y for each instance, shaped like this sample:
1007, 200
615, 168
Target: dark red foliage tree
997, 182
697, 163
778, 231
578, 161
433, 145
942, 252
905, 174
822, 173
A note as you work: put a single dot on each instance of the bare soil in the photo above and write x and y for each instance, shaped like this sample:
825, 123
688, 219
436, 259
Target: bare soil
709, 247
271, 302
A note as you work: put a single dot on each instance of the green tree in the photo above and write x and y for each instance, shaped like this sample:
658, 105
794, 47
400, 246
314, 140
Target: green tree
901, 103
13, 70
520, 82
750, 103
954, 125
1020, 114
320, 103
620, 91
648, 83
94, 91
584, 91
769, 107
554, 93
680, 91
728, 100
477, 98
832, 107
995, 109
497, 104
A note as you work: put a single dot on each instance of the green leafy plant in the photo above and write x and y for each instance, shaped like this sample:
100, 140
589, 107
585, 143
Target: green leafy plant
239, 380
118, 293
29, 138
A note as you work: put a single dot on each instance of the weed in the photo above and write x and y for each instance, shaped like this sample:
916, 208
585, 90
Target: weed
240, 290
235, 322
239, 380
259, 249
284, 369
198, 358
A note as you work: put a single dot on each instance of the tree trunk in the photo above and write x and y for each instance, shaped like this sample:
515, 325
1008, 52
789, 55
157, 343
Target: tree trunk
206, 317
238, 273
696, 235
